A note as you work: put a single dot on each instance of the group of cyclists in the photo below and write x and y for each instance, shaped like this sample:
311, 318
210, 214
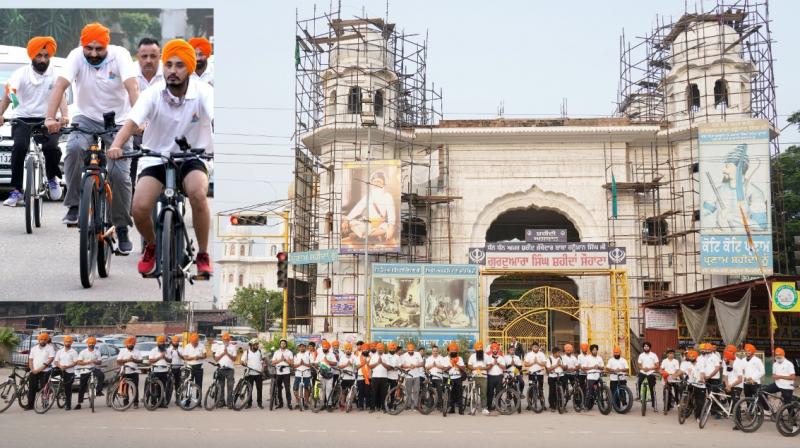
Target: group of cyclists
375, 377
166, 94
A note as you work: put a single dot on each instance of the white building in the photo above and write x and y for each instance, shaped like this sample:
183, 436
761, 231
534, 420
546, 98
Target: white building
248, 259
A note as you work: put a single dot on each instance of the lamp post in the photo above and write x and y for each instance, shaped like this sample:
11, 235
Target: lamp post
367, 120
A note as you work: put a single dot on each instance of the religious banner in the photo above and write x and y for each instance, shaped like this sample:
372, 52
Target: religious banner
370, 206
734, 193
548, 256
784, 298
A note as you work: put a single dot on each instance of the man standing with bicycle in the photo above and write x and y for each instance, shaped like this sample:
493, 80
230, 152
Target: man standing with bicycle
66, 359
179, 107
648, 366
495, 365
555, 378
783, 373
160, 359
282, 360
670, 371
363, 378
225, 355
194, 354
40, 363
347, 366
27, 90
130, 358
477, 365
104, 79
535, 362
89, 359
176, 363
753, 371
254, 360
592, 368
380, 364
456, 370
412, 361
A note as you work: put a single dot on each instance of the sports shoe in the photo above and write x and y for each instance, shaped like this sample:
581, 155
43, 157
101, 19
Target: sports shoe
485, 412
54, 188
203, 264
13, 199
147, 264
71, 218
124, 243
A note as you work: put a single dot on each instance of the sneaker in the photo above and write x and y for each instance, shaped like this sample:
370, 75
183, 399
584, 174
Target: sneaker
54, 188
203, 264
147, 264
71, 218
124, 243
13, 199
78, 407
485, 412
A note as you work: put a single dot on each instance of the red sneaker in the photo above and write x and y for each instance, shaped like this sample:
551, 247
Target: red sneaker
147, 264
203, 264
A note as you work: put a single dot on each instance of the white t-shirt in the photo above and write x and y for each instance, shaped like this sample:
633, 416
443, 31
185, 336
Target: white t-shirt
582, 362
130, 357
346, 365
191, 119
554, 366
253, 360
284, 358
783, 368
143, 82
378, 370
512, 361
532, 357
735, 373
395, 361
496, 365
162, 365
685, 367
648, 361
595, 366
303, 371
435, 365
192, 351
225, 361
87, 355
711, 362
101, 90
32, 90
66, 357
739, 365
174, 354
454, 371
40, 355
614, 363
694, 373
753, 369
207, 76
570, 362
357, 364
670, 366
474, 364
412, 359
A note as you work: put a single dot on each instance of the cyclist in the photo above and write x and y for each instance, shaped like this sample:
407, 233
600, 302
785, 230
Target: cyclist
570, 363
173, 108
496, 365
783, 373
584, 353
648, 367
347, 365
203, 50
88, 360
696, 381
150, 71
253, 359
555, 367
225, 355
477, 365
194, 354
28, 89
617, 366
456, 370
302, 372
514, 364
160, 359
435, 365
670, 372
129, 358
104, 78
174, 353
66, 359
363, 381
592, 367
535, 362
412, 361
40, 363
753, 370
282, 359
734, 375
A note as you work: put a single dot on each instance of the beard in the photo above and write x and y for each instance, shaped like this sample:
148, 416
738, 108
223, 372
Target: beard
95, 60
175, 84
40, 67
201, 65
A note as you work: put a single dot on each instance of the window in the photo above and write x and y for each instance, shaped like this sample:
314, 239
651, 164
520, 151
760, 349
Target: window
692, 98
655, 289
241, 250
720, 94
230, 278
654, 231
241, 280
332, 104
414, 232
273, 250
378, 103
354, 101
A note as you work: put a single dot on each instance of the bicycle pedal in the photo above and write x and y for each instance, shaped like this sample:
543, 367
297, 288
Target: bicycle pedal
153, 275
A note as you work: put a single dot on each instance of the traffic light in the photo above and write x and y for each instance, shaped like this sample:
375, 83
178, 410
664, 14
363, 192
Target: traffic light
283, 270
248, 220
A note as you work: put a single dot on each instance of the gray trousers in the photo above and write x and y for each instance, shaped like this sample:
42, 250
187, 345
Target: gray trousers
119, 172
412, 385
226, 385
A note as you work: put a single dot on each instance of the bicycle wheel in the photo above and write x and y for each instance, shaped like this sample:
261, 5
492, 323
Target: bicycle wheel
123, 395
212, 397
189, 396
61, 397
622, 400
28, 196
88, 238
395, 400
644, 397
475, 401
603, 400
538, 401
445, 401
748, 415
666, 397
335, 398
684, 408
705, 413
8, 393
507, 401
92, 393
103, 222
427, 400
44, 400
577, 399
153, 394
241, 394
351, 398
788, 419
171, 274
22, 393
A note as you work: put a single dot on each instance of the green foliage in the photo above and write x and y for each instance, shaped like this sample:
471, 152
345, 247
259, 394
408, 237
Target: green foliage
271, 345
788, 162
115, 313
257, 306
7, 338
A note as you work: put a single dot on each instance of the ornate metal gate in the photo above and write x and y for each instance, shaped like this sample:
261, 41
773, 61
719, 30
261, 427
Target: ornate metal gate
527, 318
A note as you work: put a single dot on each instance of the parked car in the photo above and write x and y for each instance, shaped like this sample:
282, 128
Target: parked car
144, 348
110, 341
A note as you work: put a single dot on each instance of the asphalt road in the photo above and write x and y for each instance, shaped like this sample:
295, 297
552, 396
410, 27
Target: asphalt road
43, 266
175, 428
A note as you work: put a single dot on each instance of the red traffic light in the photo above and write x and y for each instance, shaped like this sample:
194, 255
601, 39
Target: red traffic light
234, 220
282, 256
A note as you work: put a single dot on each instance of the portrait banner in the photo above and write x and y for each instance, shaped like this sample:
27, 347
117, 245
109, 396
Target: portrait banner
370, 206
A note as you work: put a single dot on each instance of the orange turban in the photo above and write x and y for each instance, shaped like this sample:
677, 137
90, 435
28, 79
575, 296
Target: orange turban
749, 348
161, 339
68, 340
379, 346
453, 347
201, 43
729, 356
348, 346
194, 338
43, 337
36, 44
181, 49
176, 339
780, 352
392, 346
335, 344
92, 340
131, 340
95, 31
584, 346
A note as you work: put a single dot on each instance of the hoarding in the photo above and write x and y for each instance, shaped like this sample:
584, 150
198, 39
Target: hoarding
370, 218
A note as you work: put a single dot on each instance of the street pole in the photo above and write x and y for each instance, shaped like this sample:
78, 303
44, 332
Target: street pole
366, 235
286, 287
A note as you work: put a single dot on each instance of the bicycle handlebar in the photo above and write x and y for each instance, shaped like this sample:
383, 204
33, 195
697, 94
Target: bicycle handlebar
75, 127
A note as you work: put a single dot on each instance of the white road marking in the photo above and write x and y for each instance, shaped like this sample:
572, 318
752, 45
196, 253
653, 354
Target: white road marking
312, 430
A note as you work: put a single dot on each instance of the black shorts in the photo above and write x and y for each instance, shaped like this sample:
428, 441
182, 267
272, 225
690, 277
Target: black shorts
159, 172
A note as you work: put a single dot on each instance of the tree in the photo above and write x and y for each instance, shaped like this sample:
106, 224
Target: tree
788, 162
257, 306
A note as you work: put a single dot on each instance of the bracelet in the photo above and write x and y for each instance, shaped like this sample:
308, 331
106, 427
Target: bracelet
50, 118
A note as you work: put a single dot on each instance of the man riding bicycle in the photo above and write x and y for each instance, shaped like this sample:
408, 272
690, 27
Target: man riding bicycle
346, 364
177, 107
783, 373
27, 90
753, 370
89, 360
66, 359
160, 360
617, 367
104, 79
648, 367
130, 358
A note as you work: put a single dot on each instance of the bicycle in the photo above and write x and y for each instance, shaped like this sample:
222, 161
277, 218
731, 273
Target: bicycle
154, 391
34, 180
686, 402
52, 392
121, 392
352, 393
621, 395
646, 393
188, 391
428, 395
97, 232
535, 394
668, 395
507, 399
601, 394
396, 398
214, 398
10, 390
319, 390
749, 412
274, 393
716, 396
92, 388
446, 388
472, 395
243, 390
574, 393
175, 252
788, 419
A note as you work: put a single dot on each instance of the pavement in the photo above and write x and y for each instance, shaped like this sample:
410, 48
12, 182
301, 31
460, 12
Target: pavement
43, 266
175, 428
